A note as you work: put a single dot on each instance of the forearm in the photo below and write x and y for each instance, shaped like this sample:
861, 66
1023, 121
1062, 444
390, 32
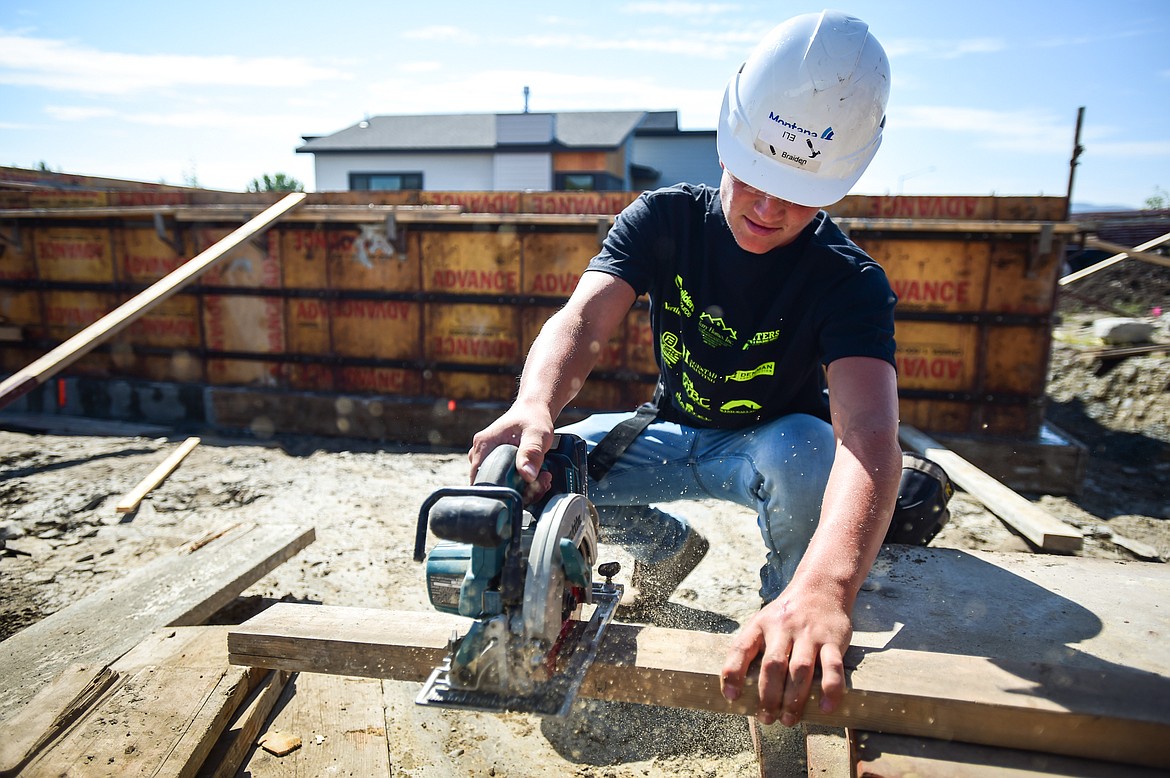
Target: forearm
855, 513
863, 483
555, 369
558, 363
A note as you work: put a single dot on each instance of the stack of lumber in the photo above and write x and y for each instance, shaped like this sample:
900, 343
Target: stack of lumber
116, 684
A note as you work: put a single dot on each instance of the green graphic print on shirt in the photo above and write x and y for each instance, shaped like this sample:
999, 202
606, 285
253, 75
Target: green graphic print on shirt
714, 333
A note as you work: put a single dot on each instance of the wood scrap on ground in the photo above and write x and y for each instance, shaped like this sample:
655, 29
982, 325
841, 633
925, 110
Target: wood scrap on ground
237, 741
1044, 530
279, 743
179, 588
996, 702
131, 499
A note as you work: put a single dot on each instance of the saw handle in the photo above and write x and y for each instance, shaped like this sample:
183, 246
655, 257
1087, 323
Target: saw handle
499, 468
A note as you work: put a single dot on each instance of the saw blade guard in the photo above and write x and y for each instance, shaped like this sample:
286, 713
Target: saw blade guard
561, 558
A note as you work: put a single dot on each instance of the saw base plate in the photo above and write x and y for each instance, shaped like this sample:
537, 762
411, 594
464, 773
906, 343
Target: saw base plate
555, 696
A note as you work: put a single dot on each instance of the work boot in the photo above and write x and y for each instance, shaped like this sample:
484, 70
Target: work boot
665, 549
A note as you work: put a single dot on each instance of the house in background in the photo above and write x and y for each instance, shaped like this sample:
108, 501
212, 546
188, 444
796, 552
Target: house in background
575, 150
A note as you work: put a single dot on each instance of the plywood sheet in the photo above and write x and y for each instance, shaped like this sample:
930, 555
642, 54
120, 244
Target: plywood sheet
472, 334
471, 262
143, 257
933, 275
387, 329
364, 258
74, 254
243, 323
252, 264
553, 262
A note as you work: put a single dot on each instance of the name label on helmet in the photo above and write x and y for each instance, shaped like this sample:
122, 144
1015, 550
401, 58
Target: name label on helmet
827, 134
790, 144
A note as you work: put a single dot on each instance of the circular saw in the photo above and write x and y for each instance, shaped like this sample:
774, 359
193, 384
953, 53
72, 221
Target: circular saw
524, 575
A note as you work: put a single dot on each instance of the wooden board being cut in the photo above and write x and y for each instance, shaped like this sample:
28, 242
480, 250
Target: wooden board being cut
1020, 651
184, 587
1053, 708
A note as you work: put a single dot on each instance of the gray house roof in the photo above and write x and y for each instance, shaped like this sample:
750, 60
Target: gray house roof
477, 132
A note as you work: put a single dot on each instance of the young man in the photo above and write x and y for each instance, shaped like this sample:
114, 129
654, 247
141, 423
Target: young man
774, 336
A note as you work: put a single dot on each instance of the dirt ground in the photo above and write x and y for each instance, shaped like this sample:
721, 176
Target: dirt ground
64, 539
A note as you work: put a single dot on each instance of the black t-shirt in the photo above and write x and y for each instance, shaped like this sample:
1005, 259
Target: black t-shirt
739, 337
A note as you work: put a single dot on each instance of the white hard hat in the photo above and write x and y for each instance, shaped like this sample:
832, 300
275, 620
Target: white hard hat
803, 117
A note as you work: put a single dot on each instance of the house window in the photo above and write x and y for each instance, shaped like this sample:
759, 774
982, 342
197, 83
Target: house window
381, 182
587, 182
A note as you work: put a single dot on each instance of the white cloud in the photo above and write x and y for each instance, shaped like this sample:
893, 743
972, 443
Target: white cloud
62, 65
76, 113
1129, 149
502, 90
442, 32
254, 124
420, 67
719, 45
942, 49
675, 9
1015, 131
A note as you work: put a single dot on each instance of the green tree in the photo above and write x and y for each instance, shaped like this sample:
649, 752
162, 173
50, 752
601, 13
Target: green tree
1159, 200
278, 182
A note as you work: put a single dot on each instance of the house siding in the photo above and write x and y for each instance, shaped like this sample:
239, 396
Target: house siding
690, 158
521, 172
473, 172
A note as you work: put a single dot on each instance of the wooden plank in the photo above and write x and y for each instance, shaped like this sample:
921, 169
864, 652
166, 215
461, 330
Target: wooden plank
196, 647
176, 693
340, 721
1113, 260
225, 213
1043, 529
181, 587
829, 752
1076, 711
163, 721
897, 756
778, 748
238, 739
50, 713
1144, 256
131, 499
74, 348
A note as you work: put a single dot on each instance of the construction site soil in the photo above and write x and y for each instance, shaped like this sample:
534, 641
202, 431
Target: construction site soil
64, 540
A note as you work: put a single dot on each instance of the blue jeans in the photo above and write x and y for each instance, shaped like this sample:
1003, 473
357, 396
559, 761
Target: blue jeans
778, 469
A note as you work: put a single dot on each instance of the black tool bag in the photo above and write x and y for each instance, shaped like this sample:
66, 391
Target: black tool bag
921, 510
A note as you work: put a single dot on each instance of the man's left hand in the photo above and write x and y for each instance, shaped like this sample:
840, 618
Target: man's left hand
792, 635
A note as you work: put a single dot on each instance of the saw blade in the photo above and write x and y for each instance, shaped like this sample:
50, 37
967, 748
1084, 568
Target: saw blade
567, 516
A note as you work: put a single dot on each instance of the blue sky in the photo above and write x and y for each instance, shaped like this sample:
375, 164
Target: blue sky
984, 96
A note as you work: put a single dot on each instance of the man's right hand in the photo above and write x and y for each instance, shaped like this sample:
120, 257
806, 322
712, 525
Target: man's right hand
532, 434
